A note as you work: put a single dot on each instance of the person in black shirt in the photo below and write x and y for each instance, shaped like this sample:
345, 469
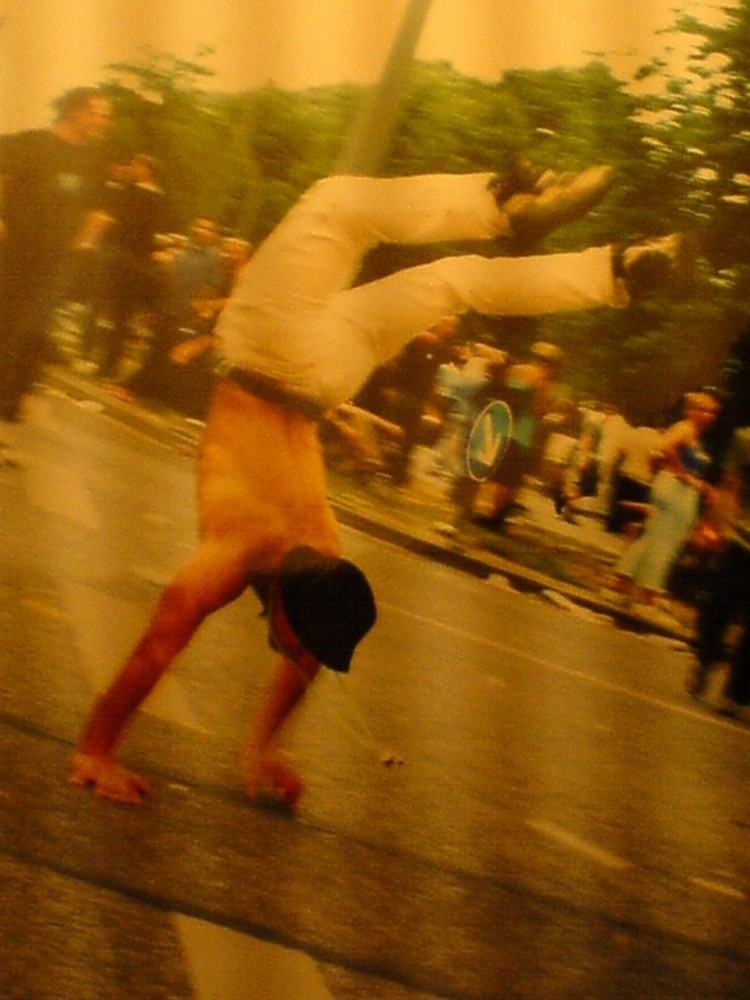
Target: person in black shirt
48, 190
130, 280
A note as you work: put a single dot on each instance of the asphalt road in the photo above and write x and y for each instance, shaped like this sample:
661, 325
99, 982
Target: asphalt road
565, 823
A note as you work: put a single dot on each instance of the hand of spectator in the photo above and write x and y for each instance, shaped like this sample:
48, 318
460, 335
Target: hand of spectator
186, 351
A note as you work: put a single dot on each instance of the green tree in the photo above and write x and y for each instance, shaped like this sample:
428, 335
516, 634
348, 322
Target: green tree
681, 159
700, 136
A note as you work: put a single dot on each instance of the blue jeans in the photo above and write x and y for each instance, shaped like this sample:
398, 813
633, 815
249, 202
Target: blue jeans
674, 510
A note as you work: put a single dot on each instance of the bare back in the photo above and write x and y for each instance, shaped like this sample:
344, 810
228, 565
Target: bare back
261, 481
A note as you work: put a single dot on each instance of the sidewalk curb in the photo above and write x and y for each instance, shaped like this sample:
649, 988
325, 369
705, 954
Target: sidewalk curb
170, 428
523, 580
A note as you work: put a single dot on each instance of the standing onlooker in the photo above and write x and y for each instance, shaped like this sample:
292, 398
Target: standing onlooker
734, 391
49, 180
560, 448
407, 388
728, 598
130, 280
461, 385
529, 389
195, 279
612, 432
198, 272
677, 492
580, 478
192, 359
235, 253
635, 473
88, 294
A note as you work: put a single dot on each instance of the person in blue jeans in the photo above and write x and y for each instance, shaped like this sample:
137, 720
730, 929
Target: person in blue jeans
678, 492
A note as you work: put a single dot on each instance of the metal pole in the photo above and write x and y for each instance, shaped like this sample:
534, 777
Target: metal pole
370, 138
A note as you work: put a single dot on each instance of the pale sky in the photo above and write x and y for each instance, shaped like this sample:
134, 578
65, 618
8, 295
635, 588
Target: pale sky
47, 46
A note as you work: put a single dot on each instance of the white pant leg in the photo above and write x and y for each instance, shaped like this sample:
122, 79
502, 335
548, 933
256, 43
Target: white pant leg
394, 309
327, 354
316, 250
294, 318
364, 326
321, 241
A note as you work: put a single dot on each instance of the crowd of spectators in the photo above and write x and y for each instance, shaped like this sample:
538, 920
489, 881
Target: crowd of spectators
141, 312
587, 458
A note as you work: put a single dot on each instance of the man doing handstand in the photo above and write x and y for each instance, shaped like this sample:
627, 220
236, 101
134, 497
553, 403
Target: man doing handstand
296, 339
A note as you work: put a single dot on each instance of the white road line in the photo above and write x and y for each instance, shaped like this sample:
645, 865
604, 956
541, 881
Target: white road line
578, 844
721, 888
43, 604
104, 625
633, 694
227, 965
54, 489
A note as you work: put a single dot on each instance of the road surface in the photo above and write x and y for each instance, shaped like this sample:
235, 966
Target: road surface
565, 822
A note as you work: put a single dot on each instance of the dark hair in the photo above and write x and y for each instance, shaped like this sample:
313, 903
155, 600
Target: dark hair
75, 100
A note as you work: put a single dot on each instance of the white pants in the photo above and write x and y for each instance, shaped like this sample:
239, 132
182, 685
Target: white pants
295, 317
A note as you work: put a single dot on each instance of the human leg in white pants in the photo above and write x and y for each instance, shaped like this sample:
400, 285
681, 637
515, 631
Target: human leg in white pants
384, 315
295, 319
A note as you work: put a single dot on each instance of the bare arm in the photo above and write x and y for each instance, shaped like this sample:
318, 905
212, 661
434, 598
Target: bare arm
681, 435
93, 228
213, 577
672, 440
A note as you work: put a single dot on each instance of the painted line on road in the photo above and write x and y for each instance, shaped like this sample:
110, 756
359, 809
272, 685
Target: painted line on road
103, 624
721, 888
44, 605
227, 965
578, 844
631, 693
56, 490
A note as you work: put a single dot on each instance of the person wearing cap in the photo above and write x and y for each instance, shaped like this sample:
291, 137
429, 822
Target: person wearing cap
295, 340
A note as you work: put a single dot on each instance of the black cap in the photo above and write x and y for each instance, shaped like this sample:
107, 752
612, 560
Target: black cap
329, 604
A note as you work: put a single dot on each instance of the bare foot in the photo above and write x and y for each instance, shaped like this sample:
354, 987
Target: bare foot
273, 781
108, 779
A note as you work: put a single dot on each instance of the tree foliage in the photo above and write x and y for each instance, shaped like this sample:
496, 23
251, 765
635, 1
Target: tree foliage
681, 153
